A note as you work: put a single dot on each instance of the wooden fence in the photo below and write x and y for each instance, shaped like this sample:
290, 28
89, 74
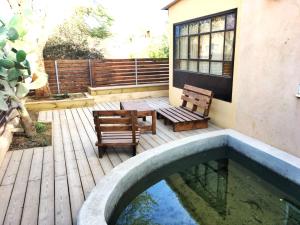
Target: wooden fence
76, 75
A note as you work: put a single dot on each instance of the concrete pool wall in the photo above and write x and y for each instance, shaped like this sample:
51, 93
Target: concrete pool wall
101, 203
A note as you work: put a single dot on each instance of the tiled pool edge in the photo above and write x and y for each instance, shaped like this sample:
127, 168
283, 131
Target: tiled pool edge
101, 202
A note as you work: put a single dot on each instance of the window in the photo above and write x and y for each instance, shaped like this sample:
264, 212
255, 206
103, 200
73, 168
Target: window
206, 45
209, 181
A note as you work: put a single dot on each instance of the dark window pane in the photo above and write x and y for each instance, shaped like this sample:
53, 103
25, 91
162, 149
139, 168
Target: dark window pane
228, 51
183, 48
177, 31
230, 21
193, 66
193, 28
218, 23
204, 46
227, 69
184, 30
205, 26
216, 68
217, 42
177, 64
203, 67
177, 49
183, 64
193, 47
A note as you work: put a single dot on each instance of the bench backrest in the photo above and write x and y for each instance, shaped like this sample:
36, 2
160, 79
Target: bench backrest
199, 98
114, 121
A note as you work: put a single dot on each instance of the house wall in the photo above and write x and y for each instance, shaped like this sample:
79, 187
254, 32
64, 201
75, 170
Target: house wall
222, 113
266, 68
269, 73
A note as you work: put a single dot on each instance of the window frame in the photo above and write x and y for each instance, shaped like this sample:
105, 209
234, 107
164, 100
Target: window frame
209, 60
222, 96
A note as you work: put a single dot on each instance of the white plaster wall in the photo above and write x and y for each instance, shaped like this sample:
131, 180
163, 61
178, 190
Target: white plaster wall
269, 73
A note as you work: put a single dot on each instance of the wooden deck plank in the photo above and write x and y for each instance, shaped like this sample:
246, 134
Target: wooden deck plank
8, 181
4, 164
70, 168
46, 207
15, 207
49, 116
31, 205
42, 117
88, 141
5, 193
85, 170
74, 181
62, 201
12, 169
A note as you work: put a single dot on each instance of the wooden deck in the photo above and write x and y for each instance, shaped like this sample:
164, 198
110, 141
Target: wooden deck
48, 185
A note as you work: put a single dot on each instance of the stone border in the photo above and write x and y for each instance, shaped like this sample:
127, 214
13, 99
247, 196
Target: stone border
100, 204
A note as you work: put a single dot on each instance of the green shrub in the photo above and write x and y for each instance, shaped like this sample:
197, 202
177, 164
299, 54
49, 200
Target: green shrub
40, 127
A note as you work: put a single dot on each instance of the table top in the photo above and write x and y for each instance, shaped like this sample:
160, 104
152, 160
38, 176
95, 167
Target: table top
136, 105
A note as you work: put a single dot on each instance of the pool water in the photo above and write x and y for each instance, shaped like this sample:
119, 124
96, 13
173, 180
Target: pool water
220, 192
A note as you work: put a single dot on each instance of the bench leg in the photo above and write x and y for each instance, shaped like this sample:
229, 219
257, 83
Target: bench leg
153, 113
101, 151
134, 150
165, 122
144, 119
159, 116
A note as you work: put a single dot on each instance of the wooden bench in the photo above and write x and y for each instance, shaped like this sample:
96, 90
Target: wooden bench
116, 128
193, 113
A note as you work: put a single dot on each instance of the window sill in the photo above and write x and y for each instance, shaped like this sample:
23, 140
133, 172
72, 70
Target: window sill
203, 74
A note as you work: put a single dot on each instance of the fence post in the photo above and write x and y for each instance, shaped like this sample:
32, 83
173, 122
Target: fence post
90, 73
56, 75
136, 71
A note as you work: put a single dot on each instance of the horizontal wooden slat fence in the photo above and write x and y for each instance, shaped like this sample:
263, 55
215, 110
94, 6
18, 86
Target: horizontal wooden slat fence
76, 75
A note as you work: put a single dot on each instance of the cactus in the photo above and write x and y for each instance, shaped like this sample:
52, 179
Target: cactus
14, 70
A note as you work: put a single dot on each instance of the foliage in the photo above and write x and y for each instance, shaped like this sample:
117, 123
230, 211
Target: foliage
137, 212
161, 50
66, 50
40, 127
72, 39
14, 66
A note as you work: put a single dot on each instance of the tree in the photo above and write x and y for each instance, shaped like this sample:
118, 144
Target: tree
138, 211
32, 14
78, 36
14, 71
160, 50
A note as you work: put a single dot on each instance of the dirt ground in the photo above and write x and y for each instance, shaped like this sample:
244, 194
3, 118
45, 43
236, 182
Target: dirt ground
43, 136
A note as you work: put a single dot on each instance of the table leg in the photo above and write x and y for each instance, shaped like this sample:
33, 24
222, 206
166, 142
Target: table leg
153, 113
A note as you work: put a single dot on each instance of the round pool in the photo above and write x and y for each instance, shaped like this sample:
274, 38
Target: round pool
156, 171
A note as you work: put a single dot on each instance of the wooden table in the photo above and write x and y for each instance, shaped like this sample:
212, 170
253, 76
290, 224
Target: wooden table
143, 110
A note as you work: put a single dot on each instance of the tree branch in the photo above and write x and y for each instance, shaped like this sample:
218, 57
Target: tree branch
9, 4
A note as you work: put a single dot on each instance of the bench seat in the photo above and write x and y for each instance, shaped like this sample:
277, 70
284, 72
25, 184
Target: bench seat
184, 118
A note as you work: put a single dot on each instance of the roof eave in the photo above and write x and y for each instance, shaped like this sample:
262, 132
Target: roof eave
170, 5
